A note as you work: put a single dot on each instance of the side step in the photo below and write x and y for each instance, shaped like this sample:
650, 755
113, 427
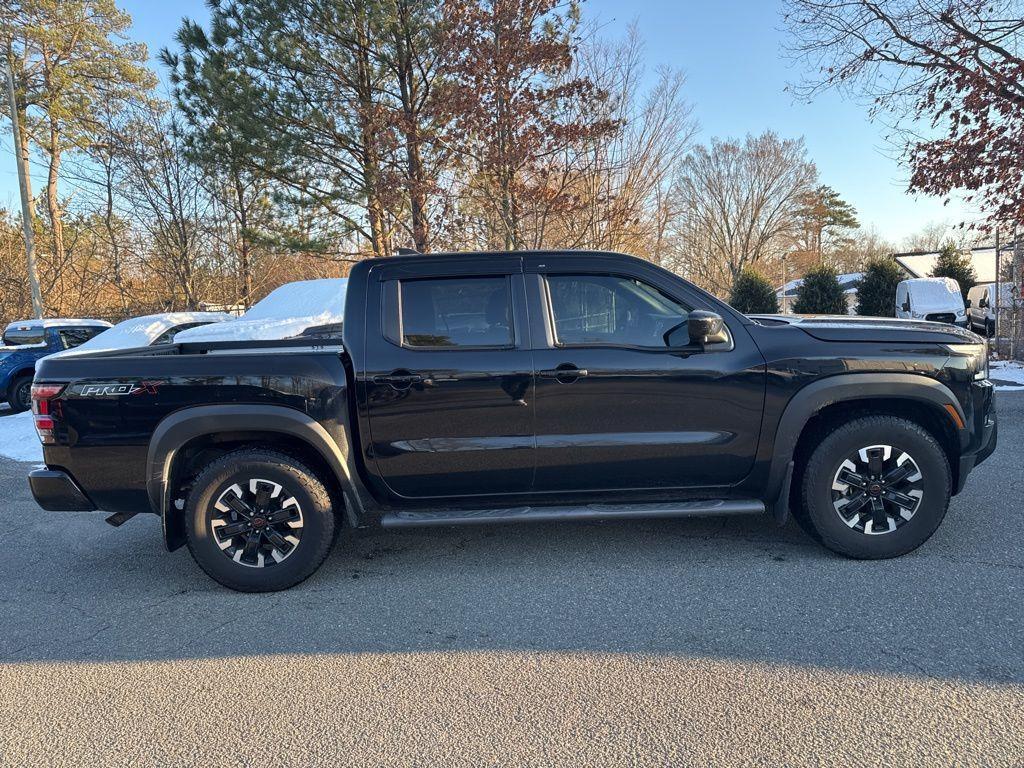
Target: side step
705, 508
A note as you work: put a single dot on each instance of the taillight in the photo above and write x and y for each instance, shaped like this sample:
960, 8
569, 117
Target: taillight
44, 408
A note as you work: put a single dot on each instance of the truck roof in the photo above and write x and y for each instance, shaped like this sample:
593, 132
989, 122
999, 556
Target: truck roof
56, 322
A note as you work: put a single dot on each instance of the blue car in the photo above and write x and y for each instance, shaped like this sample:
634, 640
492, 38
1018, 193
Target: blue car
26, 341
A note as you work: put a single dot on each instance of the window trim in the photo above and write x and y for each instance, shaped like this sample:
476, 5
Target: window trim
399, 324
549, 313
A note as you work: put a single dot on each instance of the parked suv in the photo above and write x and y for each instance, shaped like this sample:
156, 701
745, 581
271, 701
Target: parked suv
27, 341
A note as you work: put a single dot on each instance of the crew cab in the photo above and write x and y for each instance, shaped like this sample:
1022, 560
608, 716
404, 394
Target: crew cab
25, 342
469, 389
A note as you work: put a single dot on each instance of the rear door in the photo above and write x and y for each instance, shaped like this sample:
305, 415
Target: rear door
447, 380
617, 407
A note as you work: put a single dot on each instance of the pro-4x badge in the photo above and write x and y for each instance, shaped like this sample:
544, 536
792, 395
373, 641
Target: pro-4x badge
116, 390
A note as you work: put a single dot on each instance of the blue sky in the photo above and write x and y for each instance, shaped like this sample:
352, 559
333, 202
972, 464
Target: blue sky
736, 75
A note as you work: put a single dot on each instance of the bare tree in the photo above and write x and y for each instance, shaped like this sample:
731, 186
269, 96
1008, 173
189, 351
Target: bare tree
739, 204
619, 181
168, 199
950, 73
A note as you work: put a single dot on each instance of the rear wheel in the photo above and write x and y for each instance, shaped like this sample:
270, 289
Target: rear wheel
19, 393
875, 487
259, 521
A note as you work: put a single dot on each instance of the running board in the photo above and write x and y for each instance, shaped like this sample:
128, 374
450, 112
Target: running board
706, 508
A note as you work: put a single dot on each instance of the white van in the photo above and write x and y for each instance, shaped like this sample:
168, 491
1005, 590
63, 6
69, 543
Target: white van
981, 305
931, 298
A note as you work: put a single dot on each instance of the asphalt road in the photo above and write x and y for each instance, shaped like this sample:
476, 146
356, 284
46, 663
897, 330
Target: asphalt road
719, 642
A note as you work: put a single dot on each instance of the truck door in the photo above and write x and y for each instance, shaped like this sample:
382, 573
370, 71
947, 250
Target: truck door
447, 382
617, 407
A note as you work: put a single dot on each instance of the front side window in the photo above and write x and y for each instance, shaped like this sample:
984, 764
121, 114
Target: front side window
610, 309
456, 312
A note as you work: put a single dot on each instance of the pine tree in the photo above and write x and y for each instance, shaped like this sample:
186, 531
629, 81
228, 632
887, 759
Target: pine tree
753, 294
954, 263
820, 293
876, 293
825, 219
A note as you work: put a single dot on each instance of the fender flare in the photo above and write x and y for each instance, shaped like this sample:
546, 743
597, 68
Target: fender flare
181, 427
848, 387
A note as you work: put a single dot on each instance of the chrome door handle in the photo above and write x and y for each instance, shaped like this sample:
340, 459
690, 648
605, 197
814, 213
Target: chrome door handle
399, 379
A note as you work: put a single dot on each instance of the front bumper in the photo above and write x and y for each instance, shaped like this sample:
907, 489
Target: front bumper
985, 433
55, 491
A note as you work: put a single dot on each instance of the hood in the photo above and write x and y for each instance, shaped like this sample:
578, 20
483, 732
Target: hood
10, 349
872, 329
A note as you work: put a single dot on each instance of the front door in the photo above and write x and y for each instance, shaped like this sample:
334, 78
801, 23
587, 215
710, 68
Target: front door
447, 382
617, 407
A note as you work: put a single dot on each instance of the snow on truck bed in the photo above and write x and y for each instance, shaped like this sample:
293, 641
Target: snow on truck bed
141, 331
285, 312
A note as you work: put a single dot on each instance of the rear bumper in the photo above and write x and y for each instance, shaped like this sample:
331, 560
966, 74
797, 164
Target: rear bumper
55, 491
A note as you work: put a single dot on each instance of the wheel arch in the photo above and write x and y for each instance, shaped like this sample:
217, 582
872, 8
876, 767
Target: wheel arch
186, 439
818, 406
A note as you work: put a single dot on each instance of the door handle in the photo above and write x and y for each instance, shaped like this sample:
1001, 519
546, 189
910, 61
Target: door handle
566, 373
399, 379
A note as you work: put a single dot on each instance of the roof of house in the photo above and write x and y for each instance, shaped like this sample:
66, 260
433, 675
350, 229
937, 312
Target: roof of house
921, 263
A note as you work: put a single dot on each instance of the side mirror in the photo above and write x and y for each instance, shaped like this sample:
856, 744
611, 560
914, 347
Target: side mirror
906, 306
982, 304
705, 328
967, 304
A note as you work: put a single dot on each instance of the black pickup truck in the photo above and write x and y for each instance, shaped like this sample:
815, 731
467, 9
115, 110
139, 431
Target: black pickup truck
502, 387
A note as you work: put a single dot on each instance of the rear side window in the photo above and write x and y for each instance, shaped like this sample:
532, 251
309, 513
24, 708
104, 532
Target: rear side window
168, 336
72, 337
29, 334
456, 312
611, 309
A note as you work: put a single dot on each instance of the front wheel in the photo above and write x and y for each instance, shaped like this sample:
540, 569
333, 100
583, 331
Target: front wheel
875, 487
259, 521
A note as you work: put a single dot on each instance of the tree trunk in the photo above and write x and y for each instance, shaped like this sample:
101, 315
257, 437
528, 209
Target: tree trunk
410, 93
115, 248
28, 213
244, 265
369, 129
52, 199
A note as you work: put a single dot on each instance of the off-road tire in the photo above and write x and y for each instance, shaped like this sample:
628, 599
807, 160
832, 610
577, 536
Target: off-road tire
297, 480
820, 518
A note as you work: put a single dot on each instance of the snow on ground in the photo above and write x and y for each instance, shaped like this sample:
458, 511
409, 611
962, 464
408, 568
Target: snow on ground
285, 312
1007, 371
18, 438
